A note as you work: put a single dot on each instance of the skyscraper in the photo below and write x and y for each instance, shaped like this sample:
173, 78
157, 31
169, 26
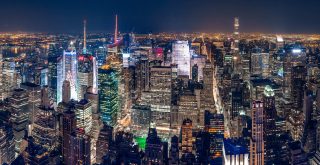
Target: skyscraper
206, 94
270, 129
104, 142
18, 106
186, 137
256, 140
236, 33
108, 95
188, 107
160, 95
53, 56
182, 57
44, 128
83, 110
214, 125
68, 127
80, 148
67, 70
7, 144
87, 70
34, 92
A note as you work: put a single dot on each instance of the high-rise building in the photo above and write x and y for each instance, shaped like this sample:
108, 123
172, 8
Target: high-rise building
236, 33
44, 128
86, 63
35, 153
298, 81
34, 92
174, 151
140, 119
188, 107
214, 125
87, 70
18, 107
271, 141
195, 72
52, 71
68, 127
67, 70
182, 57
154, 152
83, 110
206, 94
200, 62
80, 148
256, 140
256, 62
296, 155
7, 144
142, 73
160, 95
104, 142
186, 137
295, 56
108, 95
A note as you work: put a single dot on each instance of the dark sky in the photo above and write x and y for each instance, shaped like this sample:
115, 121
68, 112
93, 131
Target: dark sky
65, 16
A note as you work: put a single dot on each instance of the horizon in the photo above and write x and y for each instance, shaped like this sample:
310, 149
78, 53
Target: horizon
287, 16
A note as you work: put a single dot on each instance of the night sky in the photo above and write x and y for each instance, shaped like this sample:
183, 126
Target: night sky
142, 16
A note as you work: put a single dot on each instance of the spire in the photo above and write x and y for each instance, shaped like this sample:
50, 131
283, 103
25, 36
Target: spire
84, 36
116, 30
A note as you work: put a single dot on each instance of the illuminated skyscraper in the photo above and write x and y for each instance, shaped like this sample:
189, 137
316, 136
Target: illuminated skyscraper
85, 76
53, 56
108, 95
236, 33
160, 95
34, 93
206, 94
142, 76
182, 57
84, 115
269, 126
67, 70
45, 129
256, 140
186, 137
188, 107
214, 124
80, 148
18, 106
256, 62
87, 69
195, 72
7, 142
298, 81
295, 55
